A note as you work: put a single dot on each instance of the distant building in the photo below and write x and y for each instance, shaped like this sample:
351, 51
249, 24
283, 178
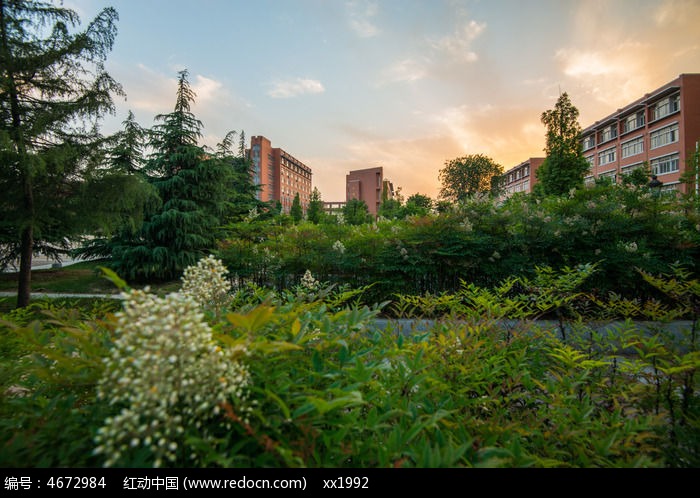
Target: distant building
334, 207
662, 128
368, 185
521, 178
280, 174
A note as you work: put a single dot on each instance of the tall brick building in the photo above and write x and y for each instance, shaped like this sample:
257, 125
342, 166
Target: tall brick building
368, 185
279, 173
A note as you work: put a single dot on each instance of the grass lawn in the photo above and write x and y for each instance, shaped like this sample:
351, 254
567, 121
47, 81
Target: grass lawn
80, 278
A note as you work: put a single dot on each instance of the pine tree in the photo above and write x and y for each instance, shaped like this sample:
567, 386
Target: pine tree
53, 92
242, 196
193, 186
296, 211
126, 151
315, 210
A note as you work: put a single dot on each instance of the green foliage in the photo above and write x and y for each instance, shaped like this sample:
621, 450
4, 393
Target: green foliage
56, 184
51, 359
330, 387
616, 229
418, 205
315, 210
564, 166
468, 176
193, 187
296, 211
390, 209
356, 212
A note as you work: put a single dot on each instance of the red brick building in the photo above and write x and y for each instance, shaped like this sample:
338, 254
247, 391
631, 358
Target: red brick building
662, 129
368, 185
279, 173
521, 178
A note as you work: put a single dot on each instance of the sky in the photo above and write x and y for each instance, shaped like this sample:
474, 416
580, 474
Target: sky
407, 85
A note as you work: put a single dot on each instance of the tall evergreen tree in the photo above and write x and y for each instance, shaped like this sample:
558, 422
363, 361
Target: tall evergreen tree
53, 92
241, 145
125, 154
193, 186
296, 211
564, 166
315, 210
242, 196
126, 146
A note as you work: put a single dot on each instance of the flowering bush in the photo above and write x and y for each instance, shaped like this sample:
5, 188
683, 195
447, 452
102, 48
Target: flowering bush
167, 375
308, 282
206, 283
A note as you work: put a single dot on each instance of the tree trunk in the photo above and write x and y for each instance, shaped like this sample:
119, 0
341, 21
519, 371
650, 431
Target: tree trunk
24, 287
26, 248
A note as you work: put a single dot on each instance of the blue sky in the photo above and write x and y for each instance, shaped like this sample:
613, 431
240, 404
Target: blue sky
403, 84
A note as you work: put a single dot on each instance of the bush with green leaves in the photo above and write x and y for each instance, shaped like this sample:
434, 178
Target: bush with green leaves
313, 378
481, 241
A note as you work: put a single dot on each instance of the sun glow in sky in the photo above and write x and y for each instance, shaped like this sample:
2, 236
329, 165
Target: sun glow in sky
404, 84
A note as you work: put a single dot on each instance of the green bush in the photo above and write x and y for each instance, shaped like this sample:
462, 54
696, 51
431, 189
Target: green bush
327, 386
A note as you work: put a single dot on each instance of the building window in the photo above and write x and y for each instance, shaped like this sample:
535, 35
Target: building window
608, 133
664, 136
667, 106
633, 122
665, 164
612, 175
591, 161
589, 142
633, 147
630, 168
606, 157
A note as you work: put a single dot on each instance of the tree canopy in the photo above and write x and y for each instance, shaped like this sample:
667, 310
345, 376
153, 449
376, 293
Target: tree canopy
296, 211
356, 212
469, 175
194, 186
54, 90
564, 166
314, 212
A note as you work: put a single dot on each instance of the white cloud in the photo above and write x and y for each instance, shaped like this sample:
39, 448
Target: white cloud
206, 89
149, 90
294, 88
458, 45
599, 70
360, 16
404, 70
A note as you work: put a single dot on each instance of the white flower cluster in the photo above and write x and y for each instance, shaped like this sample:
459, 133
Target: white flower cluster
166, 373
630, 246
308, 282
206, 282
339, 247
